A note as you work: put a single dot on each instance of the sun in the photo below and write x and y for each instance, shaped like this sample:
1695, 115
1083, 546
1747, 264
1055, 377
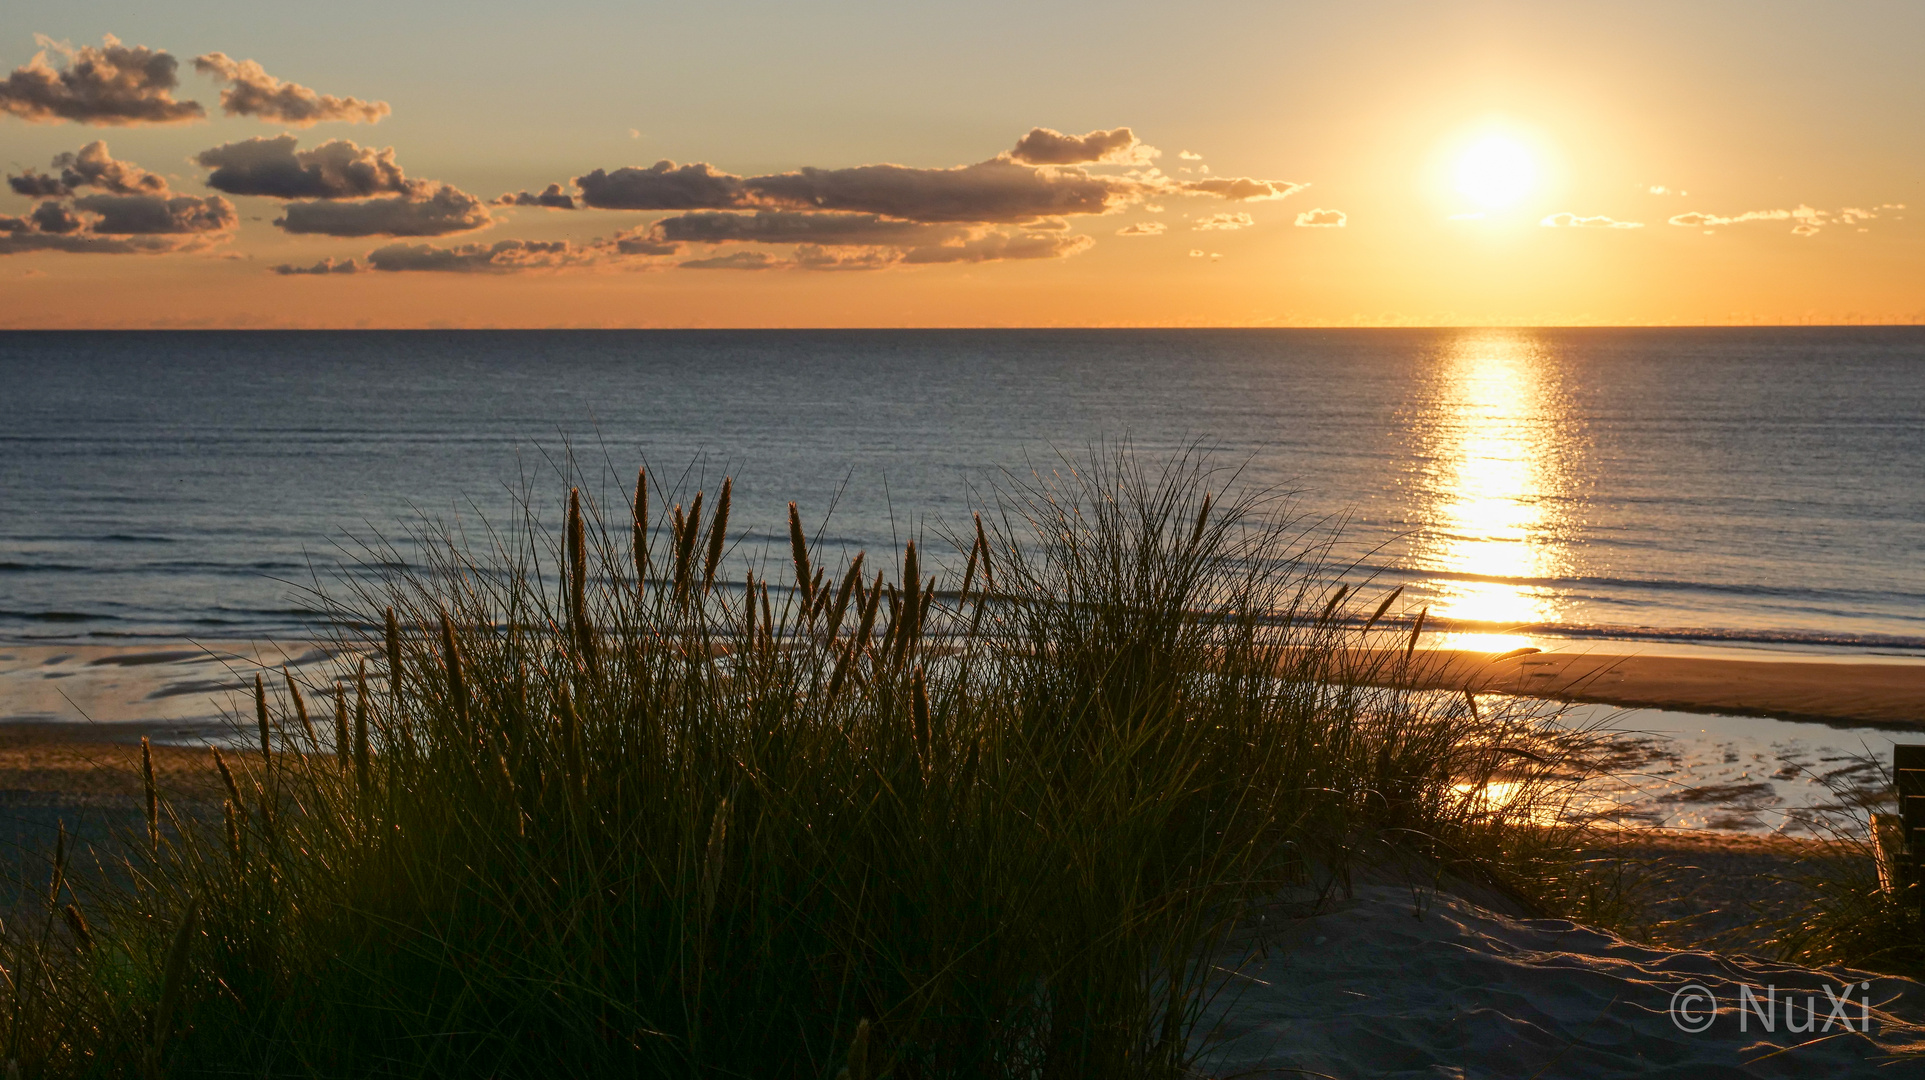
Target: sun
1496, 171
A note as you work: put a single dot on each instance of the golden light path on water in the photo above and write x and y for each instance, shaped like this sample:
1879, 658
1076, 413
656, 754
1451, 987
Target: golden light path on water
1496, 437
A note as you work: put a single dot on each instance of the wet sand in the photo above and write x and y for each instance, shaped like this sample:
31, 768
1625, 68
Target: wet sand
1890, 694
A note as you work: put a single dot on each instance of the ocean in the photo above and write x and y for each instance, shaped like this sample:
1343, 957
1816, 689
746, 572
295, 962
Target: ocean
1760, 488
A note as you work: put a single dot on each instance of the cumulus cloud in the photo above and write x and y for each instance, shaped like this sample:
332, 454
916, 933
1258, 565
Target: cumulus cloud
1142, 228
829, 228
996, 247
500, 257
319, 269
429, 209
337, 169
90, 166
251, 91
55, 218
734, 260
1187, 156
126, 215
1223, 222
1046, 146
663, 186
999, 191
1320, 218
1239, 188
1568, 220
112, 85
551, 197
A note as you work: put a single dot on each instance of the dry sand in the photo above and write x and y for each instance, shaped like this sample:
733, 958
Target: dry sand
1403, 982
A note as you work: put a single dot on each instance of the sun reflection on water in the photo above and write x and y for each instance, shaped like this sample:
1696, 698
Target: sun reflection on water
1496, 434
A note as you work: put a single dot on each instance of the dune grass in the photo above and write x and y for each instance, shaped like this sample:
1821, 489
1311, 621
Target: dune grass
576, 802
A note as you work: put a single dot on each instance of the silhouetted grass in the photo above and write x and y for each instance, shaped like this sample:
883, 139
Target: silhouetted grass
585, 807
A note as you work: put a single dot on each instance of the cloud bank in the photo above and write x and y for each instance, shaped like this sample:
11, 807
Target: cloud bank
110, 85
337, 169
427, 210
551, 197
251, 91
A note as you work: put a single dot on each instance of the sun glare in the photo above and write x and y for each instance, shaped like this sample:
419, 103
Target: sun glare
1496, 171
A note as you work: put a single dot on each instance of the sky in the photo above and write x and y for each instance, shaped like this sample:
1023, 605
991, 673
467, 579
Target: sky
217, 164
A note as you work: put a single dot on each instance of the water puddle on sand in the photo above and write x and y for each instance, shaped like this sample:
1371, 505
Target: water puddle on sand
1736, 773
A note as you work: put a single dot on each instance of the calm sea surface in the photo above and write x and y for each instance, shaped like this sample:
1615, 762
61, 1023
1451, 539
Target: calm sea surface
1760, 486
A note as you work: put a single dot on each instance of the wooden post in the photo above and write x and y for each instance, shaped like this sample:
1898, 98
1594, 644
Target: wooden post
1908, 777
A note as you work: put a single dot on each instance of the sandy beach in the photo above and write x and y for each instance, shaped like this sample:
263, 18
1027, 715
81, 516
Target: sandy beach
1774, 685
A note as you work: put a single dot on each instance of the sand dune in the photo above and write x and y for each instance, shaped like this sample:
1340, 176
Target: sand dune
1400, 982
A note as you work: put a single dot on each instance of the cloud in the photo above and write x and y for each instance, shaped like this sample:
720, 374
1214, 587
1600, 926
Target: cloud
337, 169
642, 242
320, 269
1804, 215
1238, 188
429, 209
500, 257
55, 218
663, 186
1320, 218
16, 243
1224, 222
1804, 229
1046, 146
552, 197
252, 91
817, 257
1196, 253
1187, 156
112, 85
1568, 220
997, 247
154, 215
792, 227
735, 260
998, 191
1142, 228
90, 166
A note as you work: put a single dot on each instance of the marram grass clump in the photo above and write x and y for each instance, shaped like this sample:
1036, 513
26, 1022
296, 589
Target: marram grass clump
588, 804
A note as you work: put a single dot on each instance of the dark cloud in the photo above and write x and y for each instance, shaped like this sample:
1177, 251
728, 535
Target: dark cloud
1238, 188
56, 218
792, 227
735, 260
552, 197
157, 215
643, 242
83, 243
996, 247
14, 224
1142, 228
319, 269
90, 166
1000, 192
251, 91
428, 210
112, 85
501, 257
1046, 146
337, 169
663, 186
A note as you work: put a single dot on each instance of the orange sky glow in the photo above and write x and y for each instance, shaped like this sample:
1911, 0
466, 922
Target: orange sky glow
1261, 165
